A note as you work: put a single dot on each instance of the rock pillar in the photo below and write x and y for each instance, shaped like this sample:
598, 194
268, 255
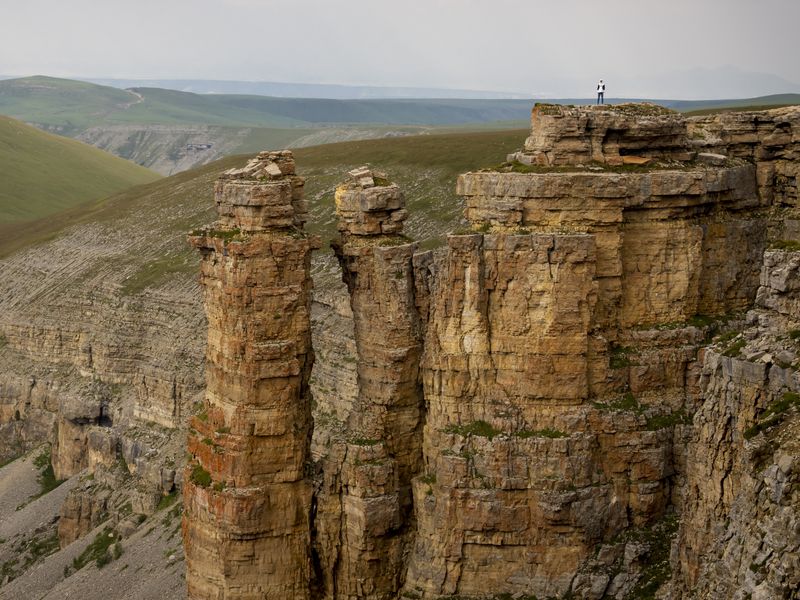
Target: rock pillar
247, 496
383, 447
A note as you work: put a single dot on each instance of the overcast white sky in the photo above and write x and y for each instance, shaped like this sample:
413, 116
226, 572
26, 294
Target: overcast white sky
641, 47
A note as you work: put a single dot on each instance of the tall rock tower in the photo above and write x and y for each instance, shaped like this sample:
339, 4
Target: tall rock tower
247, 497
367, 486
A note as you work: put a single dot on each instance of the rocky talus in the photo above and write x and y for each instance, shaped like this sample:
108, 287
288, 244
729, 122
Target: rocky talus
247, 494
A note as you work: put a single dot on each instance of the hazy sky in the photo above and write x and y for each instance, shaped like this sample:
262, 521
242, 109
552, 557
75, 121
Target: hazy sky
540, 47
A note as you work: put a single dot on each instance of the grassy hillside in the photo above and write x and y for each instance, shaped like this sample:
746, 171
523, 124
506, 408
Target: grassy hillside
72, 106
42, 174
425, 166
61, 104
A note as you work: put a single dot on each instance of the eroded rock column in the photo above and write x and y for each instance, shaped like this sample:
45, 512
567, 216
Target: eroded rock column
382, 450
247, 497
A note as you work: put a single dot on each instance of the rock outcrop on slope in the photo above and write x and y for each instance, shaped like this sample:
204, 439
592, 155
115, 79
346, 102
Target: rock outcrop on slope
247, 494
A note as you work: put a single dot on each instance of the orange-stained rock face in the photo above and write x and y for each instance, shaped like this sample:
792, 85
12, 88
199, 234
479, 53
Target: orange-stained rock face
247, 496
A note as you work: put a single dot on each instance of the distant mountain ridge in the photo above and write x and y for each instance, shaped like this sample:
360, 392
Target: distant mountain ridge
306, 90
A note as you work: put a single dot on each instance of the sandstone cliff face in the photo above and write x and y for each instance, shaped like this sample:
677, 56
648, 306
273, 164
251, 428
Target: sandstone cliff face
769, 139
247, 497
535, 412
613, 135
534, 409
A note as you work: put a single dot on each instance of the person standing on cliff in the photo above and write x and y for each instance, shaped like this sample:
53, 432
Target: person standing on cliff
601, 90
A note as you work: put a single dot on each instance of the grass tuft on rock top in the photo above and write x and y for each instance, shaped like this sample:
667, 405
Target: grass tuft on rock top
625, 403
678, 417
200, 476
788, 245
476, 428
734, 348
620, 357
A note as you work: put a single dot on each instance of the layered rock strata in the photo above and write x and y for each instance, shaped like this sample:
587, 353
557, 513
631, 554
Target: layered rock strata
769, 139
365, 504
247, 495
611, 135
535, 412
560, 353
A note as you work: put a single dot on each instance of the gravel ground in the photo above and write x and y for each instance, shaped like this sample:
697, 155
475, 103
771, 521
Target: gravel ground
17, 484
151, 568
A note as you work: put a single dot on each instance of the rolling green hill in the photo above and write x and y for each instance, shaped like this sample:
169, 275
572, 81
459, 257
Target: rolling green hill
171, 131
42, 174
762, 103
759, 103
61, 105
72, 106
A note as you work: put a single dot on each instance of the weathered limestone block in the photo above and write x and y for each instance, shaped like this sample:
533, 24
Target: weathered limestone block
739, 534
568, 135
504, 358
28, 407
83, 510
246, 492
769, 138
663, 238
264, 193
780, 283
83, 432
368, 204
